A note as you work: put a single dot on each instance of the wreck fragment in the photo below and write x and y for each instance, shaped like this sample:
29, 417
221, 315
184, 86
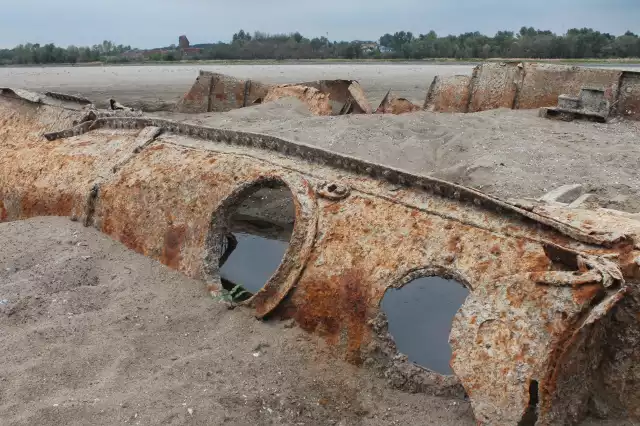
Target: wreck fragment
448, 94
590, 105
529, 85
394, 105
319, 103
552, 288
219, 92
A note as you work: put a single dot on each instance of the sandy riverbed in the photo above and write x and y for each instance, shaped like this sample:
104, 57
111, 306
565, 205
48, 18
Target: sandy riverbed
159, 86
155, 86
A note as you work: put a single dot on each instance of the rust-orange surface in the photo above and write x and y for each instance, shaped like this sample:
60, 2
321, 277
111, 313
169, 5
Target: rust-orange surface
514, 328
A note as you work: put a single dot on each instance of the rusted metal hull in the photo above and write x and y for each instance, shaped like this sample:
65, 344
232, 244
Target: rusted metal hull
629, 96
448, 94
545, 281
392, 104
319, 103
213, 92
525, 85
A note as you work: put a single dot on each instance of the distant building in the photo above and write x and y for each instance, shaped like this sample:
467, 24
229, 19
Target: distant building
182, 51
187, 52
369, 47
161, 52
183, 42
190, 52
133, 55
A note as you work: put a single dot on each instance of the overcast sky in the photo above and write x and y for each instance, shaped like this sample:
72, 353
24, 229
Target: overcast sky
154, 23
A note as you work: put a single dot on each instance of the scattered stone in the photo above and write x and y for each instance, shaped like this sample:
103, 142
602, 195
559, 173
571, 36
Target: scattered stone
260, 346
563, 194
585, 201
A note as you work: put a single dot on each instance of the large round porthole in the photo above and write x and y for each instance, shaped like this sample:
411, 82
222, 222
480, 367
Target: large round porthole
259, 239
420, 315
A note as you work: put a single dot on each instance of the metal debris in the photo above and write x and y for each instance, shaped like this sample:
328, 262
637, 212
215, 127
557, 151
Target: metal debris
530, 85
543, 277
219, 92
394, 105
589, 105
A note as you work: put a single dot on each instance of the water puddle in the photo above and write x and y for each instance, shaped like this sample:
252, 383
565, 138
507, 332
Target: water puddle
261, 227
420, 315
253, 261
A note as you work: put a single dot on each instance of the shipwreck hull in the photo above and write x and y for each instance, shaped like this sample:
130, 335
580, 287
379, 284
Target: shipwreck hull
214, 92
546, 282
530, 85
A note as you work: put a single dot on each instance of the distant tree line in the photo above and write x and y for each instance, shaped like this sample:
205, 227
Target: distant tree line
51, 54
582, 43
278, 46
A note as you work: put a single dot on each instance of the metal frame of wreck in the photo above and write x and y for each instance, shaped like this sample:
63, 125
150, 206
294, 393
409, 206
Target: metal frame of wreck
543, 280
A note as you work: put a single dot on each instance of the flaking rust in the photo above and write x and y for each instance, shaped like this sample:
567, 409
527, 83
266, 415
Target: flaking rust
529, 85
548, 283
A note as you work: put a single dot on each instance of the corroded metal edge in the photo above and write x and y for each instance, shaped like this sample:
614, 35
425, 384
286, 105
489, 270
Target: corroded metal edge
323, 157
69, 98
46, 98
300, 244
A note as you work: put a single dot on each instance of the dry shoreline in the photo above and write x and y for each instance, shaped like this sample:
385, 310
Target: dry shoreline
158, 87
433, 61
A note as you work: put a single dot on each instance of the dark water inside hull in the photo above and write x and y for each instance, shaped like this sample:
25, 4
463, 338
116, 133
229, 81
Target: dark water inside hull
420, 316
262, 225
253, 261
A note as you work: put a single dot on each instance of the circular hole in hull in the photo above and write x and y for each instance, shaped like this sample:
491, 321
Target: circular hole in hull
258, 233
420, 315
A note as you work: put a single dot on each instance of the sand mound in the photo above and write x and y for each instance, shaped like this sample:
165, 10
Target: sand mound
95, 334
503, 152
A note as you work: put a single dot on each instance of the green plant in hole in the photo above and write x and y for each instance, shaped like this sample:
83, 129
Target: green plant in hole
235, 295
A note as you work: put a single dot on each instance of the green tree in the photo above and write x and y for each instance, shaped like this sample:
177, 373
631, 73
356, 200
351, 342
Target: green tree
528, 42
